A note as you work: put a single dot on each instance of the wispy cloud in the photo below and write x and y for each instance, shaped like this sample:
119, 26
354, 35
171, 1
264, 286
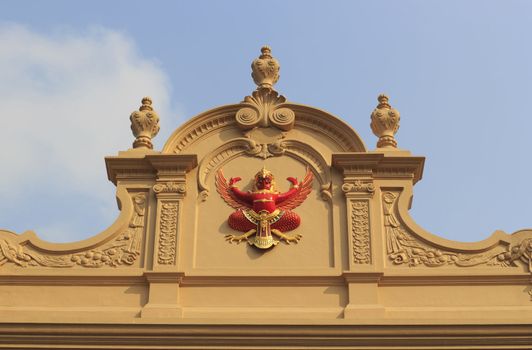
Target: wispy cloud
66, 99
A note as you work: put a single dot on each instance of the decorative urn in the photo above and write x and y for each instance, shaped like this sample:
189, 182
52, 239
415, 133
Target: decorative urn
385, 123
144, 124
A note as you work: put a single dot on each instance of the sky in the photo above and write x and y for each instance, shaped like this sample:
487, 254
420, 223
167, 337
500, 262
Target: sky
459, 72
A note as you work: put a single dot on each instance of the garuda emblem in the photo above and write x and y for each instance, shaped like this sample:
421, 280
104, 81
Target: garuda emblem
264, 212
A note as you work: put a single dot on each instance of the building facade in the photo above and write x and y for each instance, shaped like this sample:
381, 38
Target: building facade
265, 224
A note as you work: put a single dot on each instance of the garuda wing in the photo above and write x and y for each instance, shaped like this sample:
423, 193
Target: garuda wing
225, 192
305, 187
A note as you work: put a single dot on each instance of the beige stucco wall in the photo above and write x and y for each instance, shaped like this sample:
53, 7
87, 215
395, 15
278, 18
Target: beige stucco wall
361, 259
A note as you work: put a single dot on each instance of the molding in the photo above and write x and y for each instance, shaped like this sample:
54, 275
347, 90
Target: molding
121, 251
215, 120
119, 245
247, 146
145, 167
251, 280
277, 334
377, 165
407, 248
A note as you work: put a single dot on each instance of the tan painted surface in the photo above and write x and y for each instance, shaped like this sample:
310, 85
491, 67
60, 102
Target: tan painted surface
361, 260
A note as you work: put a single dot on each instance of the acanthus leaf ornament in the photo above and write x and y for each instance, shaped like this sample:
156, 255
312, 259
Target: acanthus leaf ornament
404, 248
385, 123
264, 213
123, 250
144, 124
265, 106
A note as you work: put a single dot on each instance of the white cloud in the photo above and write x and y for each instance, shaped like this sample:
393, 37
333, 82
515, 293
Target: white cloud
66, 100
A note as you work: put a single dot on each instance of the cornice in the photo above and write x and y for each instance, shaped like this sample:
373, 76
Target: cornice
397, 164
245, 335
147, 166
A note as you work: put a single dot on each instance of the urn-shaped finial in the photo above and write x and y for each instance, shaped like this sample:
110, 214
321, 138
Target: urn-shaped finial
265, 69
385, 123
144, 124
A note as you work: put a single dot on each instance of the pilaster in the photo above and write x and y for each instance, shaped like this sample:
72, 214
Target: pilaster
164, 278
361, 175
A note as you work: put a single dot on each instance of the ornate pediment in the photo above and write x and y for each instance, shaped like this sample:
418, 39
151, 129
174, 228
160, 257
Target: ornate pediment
323, 222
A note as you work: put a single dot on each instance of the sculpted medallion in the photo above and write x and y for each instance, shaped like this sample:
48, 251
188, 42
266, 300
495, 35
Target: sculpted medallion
264, 213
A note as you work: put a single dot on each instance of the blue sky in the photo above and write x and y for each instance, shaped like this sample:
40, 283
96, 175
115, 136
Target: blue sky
459, 72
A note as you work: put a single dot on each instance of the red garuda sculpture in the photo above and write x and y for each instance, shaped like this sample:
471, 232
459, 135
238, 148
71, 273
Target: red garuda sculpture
264, 211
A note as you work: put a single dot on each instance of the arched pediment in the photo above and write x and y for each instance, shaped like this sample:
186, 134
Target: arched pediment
306, 119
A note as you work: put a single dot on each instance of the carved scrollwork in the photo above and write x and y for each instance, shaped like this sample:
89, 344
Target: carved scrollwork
283, 118
170, 187
123, 250
247, 117
404, 248
168, 233
222, 154
247, 146
359, 186
264, 108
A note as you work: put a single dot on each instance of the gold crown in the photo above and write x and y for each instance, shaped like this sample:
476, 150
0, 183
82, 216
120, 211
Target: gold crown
264, 173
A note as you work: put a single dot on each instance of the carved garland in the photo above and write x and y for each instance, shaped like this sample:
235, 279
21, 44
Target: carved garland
405, 249
360, 232
123, 250
168, 234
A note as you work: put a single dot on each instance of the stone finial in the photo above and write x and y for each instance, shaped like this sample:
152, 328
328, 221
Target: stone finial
385, 123
265, 69
144, 124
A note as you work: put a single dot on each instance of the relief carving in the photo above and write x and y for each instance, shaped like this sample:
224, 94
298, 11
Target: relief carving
265, 106
169, 187
123, 250
360, 232
359, 186
403, 248
247, 146
168, 233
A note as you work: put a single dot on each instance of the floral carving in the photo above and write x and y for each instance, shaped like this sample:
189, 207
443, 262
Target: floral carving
521, 251
405, 249
168, 233
144, 124
358, 186
169, 187
360, 232
121, 251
